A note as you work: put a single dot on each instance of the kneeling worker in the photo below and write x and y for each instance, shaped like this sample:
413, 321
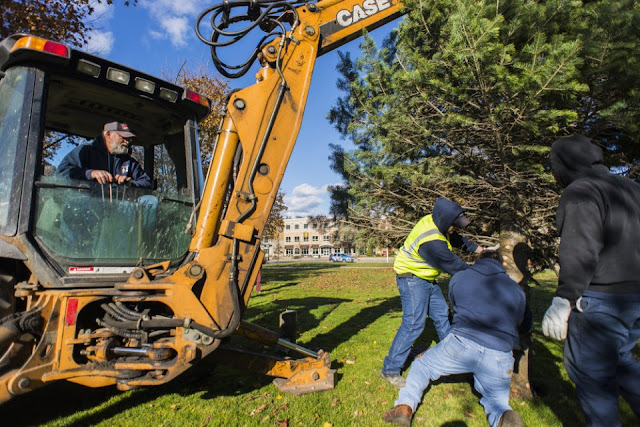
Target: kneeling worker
490, 311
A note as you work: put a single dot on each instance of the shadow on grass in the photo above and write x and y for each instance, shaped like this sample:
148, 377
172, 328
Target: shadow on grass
552, 390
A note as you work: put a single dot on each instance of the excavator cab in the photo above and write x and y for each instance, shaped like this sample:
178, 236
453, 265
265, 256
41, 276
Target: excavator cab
55, 97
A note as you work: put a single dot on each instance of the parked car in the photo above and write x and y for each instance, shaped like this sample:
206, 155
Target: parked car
341, 258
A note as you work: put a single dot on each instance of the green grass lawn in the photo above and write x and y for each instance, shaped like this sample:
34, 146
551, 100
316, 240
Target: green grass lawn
352, 311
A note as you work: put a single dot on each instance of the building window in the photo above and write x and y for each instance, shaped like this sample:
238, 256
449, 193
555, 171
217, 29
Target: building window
296, 251
287, 239
306, 226
297, 226
288, 252
325, 238
326, 251
316, 251
296, 239
305, 251
305, 239
287, 227
314, 238
314, 226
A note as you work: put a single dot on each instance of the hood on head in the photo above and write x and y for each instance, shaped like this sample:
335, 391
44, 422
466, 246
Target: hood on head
445, 213
575, 157
488, 267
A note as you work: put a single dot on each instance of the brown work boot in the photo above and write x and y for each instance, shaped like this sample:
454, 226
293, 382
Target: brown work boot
399, 414
510, 418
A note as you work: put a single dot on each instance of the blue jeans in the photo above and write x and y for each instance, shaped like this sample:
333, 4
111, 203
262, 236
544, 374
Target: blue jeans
597, 355
420, 298
457, 355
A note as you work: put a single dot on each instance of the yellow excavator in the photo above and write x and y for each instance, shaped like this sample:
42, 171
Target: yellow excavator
106, 284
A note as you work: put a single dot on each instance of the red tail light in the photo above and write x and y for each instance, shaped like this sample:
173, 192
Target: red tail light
196, 97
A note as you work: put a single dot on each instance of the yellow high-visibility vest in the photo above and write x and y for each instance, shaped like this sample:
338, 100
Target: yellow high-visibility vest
409, 260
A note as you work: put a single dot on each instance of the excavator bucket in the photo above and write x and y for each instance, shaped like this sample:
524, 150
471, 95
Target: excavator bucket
311, 376
295, 376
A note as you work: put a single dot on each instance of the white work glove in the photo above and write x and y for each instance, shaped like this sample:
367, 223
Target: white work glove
493, 248
556, 319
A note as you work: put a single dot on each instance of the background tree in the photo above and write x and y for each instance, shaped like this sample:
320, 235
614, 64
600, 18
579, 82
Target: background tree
464, 101
275, 222
60, 20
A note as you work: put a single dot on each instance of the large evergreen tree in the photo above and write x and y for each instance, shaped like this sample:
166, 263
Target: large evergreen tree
464, 101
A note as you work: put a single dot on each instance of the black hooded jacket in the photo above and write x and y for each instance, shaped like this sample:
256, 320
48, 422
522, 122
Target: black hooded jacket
83, 159
598, 220
436, 253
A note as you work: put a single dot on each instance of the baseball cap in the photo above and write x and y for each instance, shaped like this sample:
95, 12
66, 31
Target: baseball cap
461, 221
120, 128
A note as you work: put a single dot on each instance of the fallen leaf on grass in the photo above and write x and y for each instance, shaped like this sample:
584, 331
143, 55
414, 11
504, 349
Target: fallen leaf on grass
367, 383
257, 410
523, 403
350, 362
173, 407
265, 418
468, 414
253, 397
384, 402
334, 403
283, 423
420, 419
447, 394
357, 413
326, 424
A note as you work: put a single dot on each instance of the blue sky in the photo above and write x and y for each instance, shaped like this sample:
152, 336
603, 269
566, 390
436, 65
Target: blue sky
157, 37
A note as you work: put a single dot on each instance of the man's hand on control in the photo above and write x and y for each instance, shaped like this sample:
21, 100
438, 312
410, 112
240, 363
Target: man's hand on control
556, 320
103, 177
122, 179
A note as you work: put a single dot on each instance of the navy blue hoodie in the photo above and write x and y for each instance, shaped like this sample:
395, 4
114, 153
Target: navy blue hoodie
488, 306
83, 159
436, 253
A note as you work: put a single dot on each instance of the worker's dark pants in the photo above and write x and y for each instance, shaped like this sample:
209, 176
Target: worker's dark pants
597, 355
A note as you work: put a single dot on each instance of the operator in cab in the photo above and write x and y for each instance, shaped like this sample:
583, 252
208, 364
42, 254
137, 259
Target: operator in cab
106, 160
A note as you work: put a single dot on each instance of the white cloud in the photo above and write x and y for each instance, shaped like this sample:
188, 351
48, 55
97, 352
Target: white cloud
307, 200
173, 20
176, 29
100, 42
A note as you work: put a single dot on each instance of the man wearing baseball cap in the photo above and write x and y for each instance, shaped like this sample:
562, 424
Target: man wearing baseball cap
426, 252
106, 160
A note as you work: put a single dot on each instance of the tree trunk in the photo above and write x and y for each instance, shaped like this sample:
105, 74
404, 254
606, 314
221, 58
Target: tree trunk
515, 253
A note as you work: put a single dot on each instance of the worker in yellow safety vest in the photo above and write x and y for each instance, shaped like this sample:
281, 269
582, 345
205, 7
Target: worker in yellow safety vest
426, 252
